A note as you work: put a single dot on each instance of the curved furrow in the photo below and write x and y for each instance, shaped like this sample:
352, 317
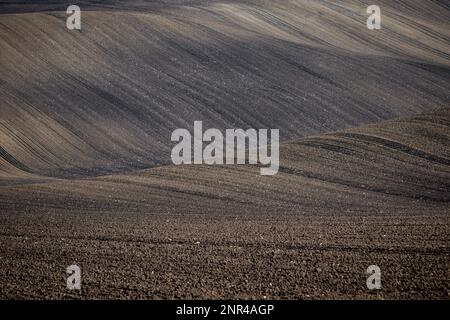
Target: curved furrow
107, 98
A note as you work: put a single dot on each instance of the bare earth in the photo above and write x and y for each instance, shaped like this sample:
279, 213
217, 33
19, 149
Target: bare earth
85, 172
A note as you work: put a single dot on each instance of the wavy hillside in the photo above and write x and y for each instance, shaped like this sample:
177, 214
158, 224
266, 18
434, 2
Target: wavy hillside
387, 166
85, 174
107, 98
341, 201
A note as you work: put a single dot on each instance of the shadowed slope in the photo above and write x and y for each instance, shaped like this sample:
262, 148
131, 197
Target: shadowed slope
391, 166
106, 99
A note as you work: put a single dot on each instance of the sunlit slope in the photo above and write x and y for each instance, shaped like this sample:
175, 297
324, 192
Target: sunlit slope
106, 99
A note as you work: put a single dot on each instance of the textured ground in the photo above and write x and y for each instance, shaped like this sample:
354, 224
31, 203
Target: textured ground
107, 98
85, 129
